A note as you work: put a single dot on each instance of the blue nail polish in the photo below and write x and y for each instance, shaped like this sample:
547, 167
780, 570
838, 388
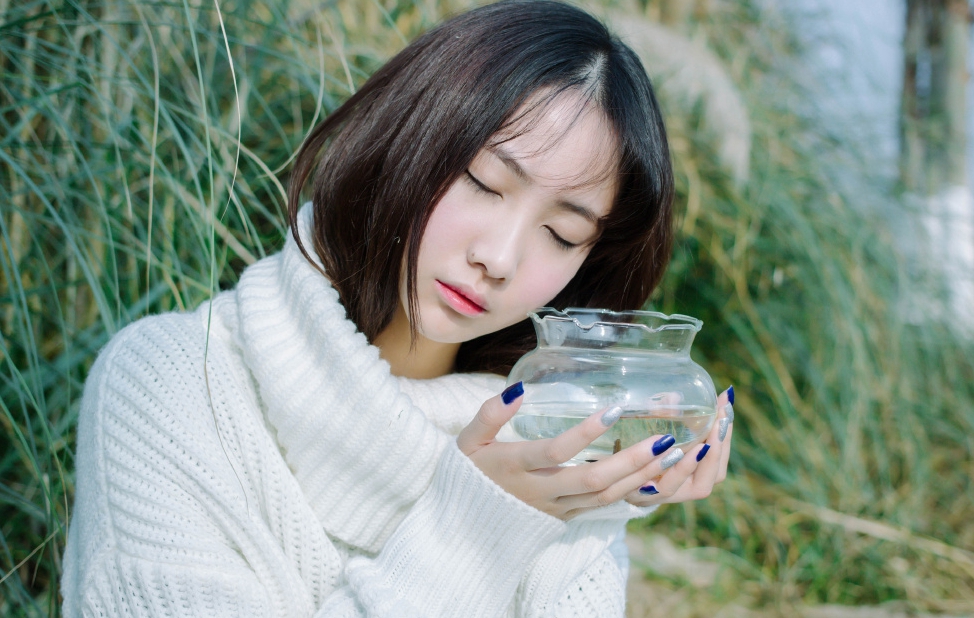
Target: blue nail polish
663, 443
703, 452
730, 394
512, 392
648, 490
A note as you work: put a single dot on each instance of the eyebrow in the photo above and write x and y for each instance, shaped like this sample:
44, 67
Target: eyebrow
511, 163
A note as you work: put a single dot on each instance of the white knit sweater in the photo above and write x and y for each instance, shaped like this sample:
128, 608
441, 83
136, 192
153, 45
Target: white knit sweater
257, 458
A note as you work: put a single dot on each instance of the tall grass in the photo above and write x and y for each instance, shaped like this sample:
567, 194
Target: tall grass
144, 149
142, 155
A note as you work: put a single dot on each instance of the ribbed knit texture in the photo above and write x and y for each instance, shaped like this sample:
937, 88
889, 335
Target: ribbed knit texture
293, 475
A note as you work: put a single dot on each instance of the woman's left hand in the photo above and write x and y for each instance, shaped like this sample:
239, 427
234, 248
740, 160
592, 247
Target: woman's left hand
694, 476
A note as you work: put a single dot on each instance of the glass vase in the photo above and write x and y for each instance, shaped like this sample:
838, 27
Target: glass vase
591, 359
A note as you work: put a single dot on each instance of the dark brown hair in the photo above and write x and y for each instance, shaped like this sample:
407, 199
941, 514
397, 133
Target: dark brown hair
395, 146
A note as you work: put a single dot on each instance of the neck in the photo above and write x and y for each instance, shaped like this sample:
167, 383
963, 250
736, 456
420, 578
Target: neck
419, 359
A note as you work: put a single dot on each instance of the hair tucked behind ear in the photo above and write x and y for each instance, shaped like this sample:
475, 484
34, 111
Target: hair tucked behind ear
384, 158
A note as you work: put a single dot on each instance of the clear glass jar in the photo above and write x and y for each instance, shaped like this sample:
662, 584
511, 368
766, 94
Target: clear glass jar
591, 359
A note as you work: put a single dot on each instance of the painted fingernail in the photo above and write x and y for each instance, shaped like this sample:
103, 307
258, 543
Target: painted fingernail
722, 428
730, 394
648, 490
703, 452
729, 411
670, 460
611, 416
663, 443
512, 392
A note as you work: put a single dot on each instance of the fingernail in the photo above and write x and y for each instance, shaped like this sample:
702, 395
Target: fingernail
663, 443
729, 411
722, 428
730, 394
703, 452
512, 392
611, 416
649, 490
670, 460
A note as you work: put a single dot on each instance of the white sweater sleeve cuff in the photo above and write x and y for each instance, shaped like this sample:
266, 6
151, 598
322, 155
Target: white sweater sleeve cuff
620, 511
461, 551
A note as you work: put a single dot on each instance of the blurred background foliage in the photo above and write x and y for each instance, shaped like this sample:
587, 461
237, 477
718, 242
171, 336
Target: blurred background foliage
144, 151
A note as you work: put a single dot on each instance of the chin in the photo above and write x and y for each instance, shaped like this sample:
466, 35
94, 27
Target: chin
442, 328
448, 335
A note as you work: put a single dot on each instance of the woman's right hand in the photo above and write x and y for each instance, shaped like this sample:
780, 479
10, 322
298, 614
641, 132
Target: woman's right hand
531, 471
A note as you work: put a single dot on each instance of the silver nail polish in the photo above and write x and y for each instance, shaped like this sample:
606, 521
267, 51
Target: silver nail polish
729, 411
611, 416
722, 428
670, 460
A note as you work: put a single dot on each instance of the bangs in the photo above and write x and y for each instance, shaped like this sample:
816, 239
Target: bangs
554, 112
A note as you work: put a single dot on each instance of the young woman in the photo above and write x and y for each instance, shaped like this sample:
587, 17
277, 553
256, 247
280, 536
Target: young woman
321, 440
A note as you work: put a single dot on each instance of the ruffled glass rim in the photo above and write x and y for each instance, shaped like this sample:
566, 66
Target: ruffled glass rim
606, 317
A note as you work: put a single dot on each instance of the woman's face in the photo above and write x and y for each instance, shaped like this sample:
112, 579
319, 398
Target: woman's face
512, 231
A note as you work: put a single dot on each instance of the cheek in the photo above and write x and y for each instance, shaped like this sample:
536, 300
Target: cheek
446, 229
543, 282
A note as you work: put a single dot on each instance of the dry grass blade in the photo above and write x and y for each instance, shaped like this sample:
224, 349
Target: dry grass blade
886, 532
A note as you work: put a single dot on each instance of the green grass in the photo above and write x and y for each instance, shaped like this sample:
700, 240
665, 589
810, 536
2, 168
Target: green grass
142, 167
853, 448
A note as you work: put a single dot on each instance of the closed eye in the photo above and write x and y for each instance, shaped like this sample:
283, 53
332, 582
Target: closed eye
479, 185
561, 242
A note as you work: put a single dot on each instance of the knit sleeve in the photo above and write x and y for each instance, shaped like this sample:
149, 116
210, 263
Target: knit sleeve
470, 549
578, 575
461, 551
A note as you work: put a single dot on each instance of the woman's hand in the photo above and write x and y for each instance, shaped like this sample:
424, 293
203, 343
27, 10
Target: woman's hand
693, 477
530, 470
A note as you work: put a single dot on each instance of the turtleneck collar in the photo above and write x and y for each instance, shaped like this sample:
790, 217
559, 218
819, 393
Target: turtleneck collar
359, 448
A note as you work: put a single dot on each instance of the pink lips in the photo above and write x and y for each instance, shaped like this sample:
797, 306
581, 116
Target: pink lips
461, 300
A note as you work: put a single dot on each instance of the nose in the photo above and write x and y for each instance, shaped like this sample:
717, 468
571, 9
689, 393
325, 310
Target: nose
497, 250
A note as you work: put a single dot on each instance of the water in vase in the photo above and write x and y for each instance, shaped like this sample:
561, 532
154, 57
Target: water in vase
687, 423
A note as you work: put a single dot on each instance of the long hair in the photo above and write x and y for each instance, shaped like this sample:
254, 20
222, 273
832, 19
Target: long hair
383, 159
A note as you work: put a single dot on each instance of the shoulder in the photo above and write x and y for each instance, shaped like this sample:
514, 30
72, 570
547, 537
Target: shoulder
138, 385
161, 475
144, 355
156, 334
155, 406
156, 372
161, 351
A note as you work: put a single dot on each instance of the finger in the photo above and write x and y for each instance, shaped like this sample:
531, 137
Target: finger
656, 489
655, 454
701, 483
724, 433
711, 458
714, 436
662, 487
660, 401
692, 479
555, 451
490, 418
598, 484
708, 457
675, 468
725, 454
